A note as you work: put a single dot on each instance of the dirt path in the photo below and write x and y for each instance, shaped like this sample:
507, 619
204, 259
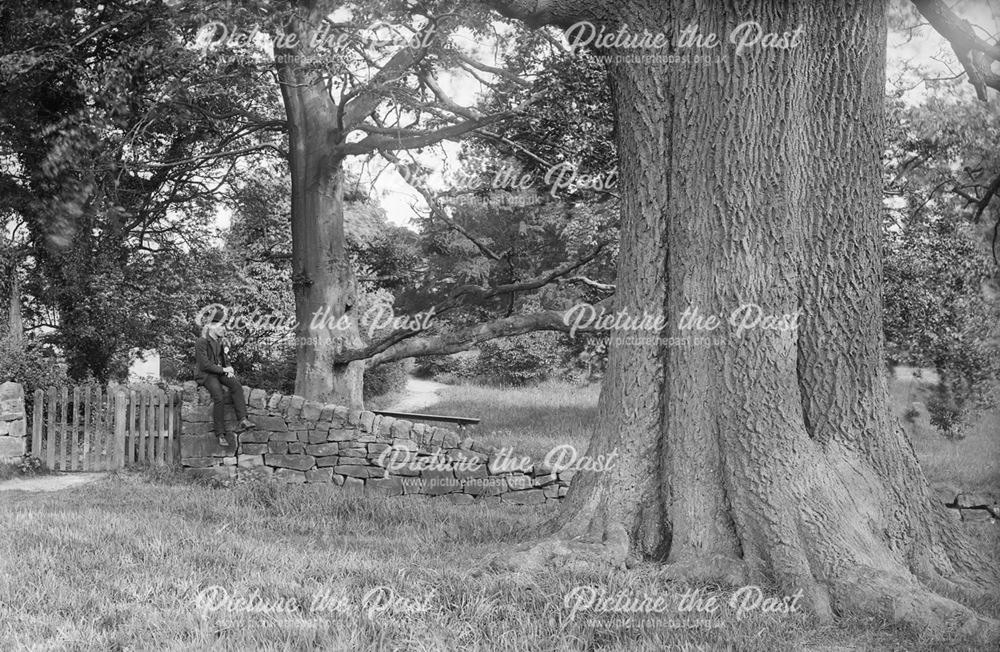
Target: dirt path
53, 482
419, 394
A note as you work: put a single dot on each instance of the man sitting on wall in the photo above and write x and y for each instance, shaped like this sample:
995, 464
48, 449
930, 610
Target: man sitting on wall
214, 372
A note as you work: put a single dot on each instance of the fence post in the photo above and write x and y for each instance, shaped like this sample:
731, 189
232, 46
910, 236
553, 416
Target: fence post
50, 432
119, 420
36, 424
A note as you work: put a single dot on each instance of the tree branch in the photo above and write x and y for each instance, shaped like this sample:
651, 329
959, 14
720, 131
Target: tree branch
538, 13
465, 338
976, 55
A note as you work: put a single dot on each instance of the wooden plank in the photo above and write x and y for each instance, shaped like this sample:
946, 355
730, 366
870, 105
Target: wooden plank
100, 426
88, 430
121, 408
132, 419
171, 408
37, 424
143, 425
161, 435
64, 424
50, 432
74, 440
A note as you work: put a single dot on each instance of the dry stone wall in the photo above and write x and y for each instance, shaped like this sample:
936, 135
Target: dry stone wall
300, 441
13, 423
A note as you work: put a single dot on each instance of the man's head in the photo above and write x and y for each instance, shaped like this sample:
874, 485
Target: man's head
215, 330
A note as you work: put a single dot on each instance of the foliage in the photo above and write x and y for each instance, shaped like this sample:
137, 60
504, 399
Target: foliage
386, 378
32, 364
522, 360
942, 307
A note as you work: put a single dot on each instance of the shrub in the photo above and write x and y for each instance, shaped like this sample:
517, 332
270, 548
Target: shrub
386, 378
31, 364
433, 366
520, 360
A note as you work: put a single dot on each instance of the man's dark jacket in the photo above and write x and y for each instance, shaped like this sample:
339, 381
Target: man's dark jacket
210, 357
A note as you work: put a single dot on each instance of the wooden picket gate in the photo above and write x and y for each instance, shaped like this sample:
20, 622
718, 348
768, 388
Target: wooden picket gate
93, 428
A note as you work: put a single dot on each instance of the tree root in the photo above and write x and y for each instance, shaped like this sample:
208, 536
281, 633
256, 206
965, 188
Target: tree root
904, 600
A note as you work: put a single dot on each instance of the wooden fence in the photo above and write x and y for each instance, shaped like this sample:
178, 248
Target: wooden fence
92, 428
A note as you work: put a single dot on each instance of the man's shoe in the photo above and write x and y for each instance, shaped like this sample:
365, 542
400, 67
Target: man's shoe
245, 424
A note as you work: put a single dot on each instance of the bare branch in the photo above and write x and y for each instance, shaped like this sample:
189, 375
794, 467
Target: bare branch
976, 55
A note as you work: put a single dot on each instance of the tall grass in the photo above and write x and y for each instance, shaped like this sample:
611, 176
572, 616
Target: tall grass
119, 565
532, 420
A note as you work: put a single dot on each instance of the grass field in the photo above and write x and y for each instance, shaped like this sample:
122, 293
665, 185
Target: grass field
120, 564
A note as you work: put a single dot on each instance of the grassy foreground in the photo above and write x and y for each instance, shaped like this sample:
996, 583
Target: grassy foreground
119, 565
130, 562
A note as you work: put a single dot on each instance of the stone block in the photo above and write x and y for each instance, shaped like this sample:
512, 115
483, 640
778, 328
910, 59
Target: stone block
439, 482
253, 449
311, 411
272, 402
296, 447
257, 399
297, 462
401, 429
317, 435
269, 423
199, 462
551, 492
353, 451
196, 427
367, 421
255, 437
278, 447
354, 484
320, 475
11, 398
527, 497
201, 446
461, 499
376, 448
518, 482
351, 470
229, 460
13, 427
250, 461
386, 486
332, 460
327, 413
542, 480
338, 480
341, 434
294, 408
289, 476
468, 470
489, 486
402, 444
385, 426
330, 448
11, 448
967, 500
354, 417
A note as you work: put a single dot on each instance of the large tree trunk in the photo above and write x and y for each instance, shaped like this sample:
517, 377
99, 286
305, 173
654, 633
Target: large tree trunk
15, 326
323, 278
756, 179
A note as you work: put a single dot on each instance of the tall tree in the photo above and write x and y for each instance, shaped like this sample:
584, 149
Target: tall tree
755, 177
